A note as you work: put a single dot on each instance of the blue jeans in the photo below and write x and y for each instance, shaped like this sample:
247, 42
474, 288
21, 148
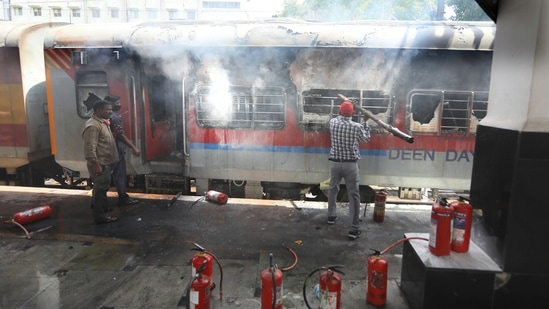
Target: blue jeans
349, 171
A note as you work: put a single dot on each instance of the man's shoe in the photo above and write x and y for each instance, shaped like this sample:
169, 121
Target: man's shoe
131, 201
354, 234
106, 219
331, 220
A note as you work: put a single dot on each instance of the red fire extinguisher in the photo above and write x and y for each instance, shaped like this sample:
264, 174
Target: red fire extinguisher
32, 215
463, 219
378, 267
440, 235
271, 287
217, 197
379, 205
204, 260
376, 293
28, 216
199, 292
330, 285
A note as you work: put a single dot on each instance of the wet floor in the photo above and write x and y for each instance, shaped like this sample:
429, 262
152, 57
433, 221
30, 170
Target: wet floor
142, 261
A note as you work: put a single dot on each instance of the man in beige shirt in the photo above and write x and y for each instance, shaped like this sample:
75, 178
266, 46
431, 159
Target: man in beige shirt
100, 152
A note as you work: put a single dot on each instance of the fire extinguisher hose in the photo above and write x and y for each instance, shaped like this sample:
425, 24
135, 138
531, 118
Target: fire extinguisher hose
19, 225
220, 274
291, 266
272, 268
396, 243
191, 282
334, 268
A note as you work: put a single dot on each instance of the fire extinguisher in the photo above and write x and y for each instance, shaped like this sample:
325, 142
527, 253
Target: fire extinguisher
378, 268
376, 292
330, 285
200, 288
32, 215
219, 198
29, 216
379, 205
463, 219
440, 234
271, 286
204, 259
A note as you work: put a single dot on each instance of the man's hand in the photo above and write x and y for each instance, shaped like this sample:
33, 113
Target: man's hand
97, 169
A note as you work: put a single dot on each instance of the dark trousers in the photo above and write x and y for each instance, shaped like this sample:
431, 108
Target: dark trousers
119, 178
101, 185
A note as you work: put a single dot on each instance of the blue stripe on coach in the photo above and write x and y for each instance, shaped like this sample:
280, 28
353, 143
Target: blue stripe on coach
292, 149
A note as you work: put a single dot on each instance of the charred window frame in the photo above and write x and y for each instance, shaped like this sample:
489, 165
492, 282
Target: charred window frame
318, 106
90, 87
446, 112
241, 107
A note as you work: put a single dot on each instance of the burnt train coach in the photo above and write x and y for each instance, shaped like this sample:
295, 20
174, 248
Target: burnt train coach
244, 107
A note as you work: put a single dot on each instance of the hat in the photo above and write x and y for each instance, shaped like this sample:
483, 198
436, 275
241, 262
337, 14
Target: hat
346, 109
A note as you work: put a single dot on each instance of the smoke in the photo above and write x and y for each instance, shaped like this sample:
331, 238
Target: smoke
219, 98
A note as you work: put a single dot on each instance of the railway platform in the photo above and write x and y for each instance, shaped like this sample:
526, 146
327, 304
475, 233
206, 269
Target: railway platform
143, 260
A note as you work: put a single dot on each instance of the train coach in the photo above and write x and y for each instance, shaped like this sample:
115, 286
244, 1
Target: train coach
243, 107
25, 148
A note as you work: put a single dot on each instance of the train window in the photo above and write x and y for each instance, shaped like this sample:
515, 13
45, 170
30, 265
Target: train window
241, 107
90, 87
446, 112
318, 106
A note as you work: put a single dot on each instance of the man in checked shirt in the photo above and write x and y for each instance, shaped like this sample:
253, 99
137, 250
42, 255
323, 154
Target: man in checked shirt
345, 135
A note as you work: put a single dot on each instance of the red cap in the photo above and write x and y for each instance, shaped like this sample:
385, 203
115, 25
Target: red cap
346, 109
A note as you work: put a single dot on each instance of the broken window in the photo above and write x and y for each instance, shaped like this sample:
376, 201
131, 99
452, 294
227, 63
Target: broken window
90, 87
318, 106
240, 107
446, 112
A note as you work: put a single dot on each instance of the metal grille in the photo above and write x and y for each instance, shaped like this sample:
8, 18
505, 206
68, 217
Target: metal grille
241, 107
318, 106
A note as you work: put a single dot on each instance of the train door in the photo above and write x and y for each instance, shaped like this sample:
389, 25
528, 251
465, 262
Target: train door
162, 117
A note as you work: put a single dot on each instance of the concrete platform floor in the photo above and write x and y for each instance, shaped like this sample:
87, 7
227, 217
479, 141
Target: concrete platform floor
142, 261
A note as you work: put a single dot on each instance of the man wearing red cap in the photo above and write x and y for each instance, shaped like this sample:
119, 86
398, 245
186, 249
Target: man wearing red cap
345, 135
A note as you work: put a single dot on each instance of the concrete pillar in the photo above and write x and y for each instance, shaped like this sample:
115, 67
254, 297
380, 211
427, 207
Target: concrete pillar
511, 166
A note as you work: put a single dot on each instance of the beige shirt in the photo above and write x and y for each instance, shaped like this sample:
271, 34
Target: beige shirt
99, 143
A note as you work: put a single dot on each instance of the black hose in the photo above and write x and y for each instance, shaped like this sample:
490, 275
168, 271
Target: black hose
220, 274
332, 268
271, 269
193, 279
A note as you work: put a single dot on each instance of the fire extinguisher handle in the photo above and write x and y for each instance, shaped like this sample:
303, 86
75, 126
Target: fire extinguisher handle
376, 252
336, 268
198, 247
